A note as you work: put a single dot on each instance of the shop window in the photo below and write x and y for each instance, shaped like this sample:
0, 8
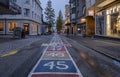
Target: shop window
114, 22
1, 26
12, 25
118, 24
34, 27
100, 23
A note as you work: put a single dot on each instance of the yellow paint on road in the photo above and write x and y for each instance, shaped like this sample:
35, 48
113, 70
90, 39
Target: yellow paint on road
9, 54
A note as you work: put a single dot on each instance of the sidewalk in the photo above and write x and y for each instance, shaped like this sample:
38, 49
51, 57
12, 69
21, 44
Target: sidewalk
19, 64
107, 47
9, 44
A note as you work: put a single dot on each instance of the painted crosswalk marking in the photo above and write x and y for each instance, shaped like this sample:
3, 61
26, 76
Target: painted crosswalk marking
55, 62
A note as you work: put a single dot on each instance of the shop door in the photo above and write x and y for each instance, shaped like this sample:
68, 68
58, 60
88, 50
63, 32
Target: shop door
26, 28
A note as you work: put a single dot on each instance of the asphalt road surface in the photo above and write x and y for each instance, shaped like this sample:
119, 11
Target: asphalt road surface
92, 63
58, 56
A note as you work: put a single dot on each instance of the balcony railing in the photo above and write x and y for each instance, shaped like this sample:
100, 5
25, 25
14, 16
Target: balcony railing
8, 7
14, 7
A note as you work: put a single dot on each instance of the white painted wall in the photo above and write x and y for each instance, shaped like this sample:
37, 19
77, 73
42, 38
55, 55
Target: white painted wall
33, 6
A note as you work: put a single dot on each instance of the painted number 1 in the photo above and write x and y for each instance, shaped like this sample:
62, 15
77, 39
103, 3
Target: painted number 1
59, 65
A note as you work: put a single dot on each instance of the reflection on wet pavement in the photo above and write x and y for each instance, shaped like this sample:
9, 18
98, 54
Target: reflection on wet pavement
92, 63
99, 66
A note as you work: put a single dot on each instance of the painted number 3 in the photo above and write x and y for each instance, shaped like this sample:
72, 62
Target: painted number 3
59, 65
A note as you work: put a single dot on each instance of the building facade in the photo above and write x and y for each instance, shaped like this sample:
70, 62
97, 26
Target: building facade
30, 19
107, 18
9, 7
90, 17
73, 26
77, 16
80, 16
66, 26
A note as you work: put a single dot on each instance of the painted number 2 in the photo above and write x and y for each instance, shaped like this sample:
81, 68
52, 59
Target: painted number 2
59, 65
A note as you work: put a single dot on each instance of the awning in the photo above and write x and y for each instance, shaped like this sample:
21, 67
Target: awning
104, 3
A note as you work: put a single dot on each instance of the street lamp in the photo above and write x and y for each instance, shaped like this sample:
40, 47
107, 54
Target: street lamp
82, 20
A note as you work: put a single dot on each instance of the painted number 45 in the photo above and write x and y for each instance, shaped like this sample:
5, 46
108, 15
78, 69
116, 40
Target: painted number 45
60, 65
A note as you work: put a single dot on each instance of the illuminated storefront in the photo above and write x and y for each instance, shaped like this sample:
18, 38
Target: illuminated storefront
107, 20
28, 18
100, 23
12, 25
1, 26
113, 21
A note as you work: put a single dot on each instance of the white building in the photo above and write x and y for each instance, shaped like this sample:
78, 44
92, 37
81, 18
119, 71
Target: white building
30, 19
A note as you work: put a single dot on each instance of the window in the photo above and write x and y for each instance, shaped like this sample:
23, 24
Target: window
33, 3
27, 12
88, 3
14, 0
12, 25
32, 14
34, 27
93, 2
84, 9
27, 1
1, 26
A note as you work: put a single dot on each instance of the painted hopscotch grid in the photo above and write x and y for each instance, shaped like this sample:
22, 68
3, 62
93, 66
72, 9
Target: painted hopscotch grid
55, 62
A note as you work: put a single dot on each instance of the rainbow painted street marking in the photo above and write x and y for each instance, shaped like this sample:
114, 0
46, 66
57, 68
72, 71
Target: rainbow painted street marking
55, 62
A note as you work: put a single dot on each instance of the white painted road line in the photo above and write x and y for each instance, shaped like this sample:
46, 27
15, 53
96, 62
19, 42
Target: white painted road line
55, 61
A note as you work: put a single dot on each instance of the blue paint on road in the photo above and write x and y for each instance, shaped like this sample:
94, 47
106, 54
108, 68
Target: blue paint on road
65, 66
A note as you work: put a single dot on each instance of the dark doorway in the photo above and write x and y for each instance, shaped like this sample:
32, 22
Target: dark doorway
37, 30
72, 30
26, 28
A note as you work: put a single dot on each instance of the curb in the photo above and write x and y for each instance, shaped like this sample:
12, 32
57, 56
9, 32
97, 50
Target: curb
108, 37
103, 53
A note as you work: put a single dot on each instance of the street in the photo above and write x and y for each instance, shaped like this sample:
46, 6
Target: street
60, 56
92, 63
59, 38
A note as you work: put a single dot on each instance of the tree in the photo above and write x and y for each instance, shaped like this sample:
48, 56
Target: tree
49, 15
59, 22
